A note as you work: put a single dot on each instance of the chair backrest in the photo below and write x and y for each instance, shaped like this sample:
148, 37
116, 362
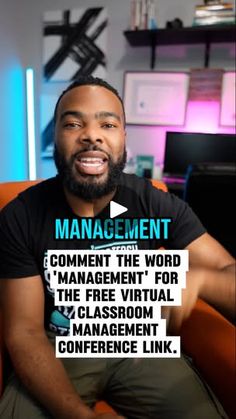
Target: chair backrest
209, 190
9, 190
159, 185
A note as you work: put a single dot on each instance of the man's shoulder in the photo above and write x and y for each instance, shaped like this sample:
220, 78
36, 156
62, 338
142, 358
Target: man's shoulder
45, 189
142, 187
133, 181
34, 197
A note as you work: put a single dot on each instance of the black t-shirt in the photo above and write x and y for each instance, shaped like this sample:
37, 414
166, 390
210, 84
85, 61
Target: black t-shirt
27, 227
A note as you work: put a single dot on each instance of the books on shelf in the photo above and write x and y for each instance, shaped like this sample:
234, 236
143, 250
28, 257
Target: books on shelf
214, 20
215, 6
214, 13
143, 14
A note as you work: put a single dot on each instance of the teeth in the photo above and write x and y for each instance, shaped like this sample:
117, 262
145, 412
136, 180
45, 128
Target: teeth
91, 160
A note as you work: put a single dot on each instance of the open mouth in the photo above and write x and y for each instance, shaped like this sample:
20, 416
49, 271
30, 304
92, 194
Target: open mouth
91, 163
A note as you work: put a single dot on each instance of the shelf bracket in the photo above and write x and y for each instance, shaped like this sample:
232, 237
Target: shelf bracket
207, 52
153, 52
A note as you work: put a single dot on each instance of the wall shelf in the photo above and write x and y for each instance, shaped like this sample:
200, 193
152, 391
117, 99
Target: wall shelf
191, 35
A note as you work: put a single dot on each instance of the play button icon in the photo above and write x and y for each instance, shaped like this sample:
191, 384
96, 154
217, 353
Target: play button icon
116, 209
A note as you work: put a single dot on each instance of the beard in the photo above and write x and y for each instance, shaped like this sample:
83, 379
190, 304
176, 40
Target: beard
89, 187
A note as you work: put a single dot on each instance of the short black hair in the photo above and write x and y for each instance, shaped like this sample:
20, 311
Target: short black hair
88, 80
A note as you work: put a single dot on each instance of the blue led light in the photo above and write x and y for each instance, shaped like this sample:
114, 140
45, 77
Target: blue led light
30, 123
13, 133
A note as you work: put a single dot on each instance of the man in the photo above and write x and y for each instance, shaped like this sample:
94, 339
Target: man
90, 156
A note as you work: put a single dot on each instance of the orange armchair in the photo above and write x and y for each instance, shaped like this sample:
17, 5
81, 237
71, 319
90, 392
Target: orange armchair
9, 191
207, 337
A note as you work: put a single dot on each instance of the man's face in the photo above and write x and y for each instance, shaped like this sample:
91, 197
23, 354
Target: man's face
90, 141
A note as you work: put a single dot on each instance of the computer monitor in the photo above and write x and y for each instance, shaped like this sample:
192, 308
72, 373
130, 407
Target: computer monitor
185, 148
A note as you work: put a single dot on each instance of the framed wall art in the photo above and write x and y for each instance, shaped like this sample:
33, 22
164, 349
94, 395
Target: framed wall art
74, 43
228, 113
156, 98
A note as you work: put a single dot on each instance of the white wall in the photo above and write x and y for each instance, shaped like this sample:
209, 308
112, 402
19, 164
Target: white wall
21, 46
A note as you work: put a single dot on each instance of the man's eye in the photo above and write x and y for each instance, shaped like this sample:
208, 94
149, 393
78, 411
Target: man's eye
108, 125
72, 125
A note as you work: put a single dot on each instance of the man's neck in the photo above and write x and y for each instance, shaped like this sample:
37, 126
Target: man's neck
84, 208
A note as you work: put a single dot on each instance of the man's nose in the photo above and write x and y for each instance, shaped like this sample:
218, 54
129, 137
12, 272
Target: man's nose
90, 135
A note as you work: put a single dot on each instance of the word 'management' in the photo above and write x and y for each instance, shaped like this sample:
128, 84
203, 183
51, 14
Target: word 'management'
112, 229
117, 299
